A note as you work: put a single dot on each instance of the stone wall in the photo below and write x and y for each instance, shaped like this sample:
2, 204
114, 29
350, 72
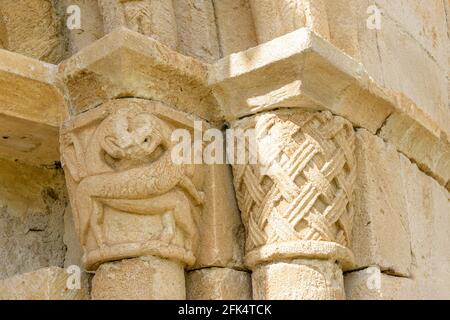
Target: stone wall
361, 116
31, 218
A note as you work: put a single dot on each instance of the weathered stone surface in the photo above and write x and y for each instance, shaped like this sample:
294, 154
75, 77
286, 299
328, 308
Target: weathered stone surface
218, 284
197, 32
274, 75
30, 110
129, 196
74, 252
381, 234
429, 220
44, 284
91, 24
372, 284
296, 200
126, 63
29, 89
147, 278
32, 202
431, 152
31, 28
343, 18
298, 280
420, 30
429, 90
152, 18
275, 18
315, 57
409, 238
427, 24
232, 15
222, 235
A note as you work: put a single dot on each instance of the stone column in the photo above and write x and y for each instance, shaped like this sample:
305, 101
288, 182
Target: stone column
135, 210
296, 202
153, 18
275, 18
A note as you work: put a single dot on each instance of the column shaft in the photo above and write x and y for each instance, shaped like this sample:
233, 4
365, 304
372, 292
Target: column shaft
145, 278
296, 202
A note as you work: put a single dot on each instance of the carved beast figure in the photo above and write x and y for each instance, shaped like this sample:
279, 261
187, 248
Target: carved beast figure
139, 177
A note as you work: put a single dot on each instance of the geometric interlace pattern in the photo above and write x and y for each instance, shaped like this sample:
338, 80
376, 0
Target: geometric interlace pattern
302, 186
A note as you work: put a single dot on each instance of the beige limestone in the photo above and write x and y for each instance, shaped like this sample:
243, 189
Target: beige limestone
32, 201
313, 56
126, 63
273, 76
372, 284
197, 32
146, 278
275, 18
298, 280
29, 89
128, 197
218, 284
429, 90
153, 18
30, 110
221, 231
3, 34
31, 28
428, 25
74, 252
381, 234
412, 237
44, 284
428, 208
297, 202
431, 153
420, 30
232, 15
91, 28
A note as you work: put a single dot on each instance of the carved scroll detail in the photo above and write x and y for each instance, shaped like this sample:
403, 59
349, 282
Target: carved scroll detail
302, 206
124, 162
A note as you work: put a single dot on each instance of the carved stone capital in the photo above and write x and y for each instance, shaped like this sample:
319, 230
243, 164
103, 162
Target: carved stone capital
128, 197
297, 201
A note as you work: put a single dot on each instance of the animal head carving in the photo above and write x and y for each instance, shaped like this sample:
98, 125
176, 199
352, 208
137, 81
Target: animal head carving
134, 135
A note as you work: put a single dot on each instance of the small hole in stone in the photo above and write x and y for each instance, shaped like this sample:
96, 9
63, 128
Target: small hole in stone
5, 137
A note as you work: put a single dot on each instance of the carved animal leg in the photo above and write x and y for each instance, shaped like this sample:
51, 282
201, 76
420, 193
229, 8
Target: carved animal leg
160, 205
174, 201
169, 229
186, 184
90, 210
96, 223
83, 208
185, 220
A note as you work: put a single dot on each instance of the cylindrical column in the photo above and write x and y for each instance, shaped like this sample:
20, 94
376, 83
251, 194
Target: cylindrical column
153, 18
135, 210
274, 18
296, 202
299, 279
145, 278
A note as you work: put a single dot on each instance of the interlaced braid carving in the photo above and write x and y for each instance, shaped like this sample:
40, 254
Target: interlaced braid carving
304, 191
